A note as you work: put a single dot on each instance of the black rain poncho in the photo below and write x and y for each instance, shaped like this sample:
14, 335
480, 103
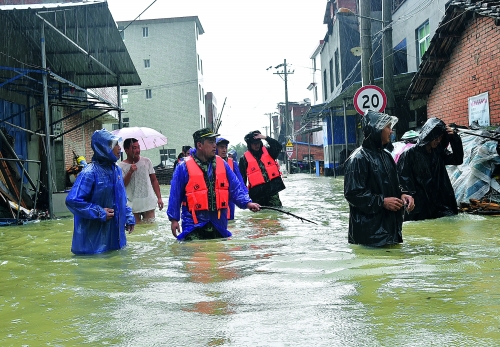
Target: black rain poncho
424, 174
371, 176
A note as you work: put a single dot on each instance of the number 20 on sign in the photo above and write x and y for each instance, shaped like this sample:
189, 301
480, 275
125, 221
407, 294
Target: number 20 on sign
369, 98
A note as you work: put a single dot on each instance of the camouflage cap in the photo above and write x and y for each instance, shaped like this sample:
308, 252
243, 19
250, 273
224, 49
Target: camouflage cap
204, 133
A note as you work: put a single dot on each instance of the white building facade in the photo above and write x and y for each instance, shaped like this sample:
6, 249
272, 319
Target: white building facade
171, 98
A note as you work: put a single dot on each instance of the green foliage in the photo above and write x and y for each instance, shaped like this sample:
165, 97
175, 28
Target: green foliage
240, 148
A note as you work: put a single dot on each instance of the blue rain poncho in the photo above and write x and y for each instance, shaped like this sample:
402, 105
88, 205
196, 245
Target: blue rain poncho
99, 185
237, 194
370, 176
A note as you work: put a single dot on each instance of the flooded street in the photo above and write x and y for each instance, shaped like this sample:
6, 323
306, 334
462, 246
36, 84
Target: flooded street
276, 282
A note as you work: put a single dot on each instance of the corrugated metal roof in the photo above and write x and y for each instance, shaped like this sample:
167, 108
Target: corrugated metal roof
449, 31
83, 44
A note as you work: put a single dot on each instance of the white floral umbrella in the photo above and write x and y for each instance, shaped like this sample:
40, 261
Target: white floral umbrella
148, 138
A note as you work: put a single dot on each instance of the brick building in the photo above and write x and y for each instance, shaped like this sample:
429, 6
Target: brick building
461, 62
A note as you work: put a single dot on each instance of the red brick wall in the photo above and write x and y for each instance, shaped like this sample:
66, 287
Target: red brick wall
302, 150
474, 68
78, 140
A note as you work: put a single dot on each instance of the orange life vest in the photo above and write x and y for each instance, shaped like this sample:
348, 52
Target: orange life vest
197, 191
230, 162
254, 174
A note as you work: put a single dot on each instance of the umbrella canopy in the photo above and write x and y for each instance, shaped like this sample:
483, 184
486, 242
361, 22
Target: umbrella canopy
148, 138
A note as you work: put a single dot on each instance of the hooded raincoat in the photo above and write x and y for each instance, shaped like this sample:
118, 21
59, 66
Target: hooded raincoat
423, 174
371, 176
99, 185
237, 195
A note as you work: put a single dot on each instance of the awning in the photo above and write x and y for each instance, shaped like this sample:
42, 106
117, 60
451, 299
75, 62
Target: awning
83, 44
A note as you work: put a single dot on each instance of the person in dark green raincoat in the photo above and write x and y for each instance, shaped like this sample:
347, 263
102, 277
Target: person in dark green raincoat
371, 186
422, 171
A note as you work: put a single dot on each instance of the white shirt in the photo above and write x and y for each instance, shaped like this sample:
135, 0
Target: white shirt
141, 196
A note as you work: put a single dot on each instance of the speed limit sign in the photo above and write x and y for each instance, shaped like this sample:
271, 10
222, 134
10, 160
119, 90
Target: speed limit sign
369, 98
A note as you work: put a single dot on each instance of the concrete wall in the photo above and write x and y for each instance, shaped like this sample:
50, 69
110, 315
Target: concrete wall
410, 16
174, 77
472, 70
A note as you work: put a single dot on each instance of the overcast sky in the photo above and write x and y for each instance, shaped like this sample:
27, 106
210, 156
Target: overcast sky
241, 40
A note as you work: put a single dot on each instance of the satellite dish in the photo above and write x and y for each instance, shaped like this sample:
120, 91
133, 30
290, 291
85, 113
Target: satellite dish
356, 51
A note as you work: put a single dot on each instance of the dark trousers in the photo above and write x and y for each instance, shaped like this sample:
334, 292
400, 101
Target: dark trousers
207, 232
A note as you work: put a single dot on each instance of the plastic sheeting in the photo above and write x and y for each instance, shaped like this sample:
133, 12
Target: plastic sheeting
473, 179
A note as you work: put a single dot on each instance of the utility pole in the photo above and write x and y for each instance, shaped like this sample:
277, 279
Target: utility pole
265, 127
366, 42
270, 127
287, 119
388, 57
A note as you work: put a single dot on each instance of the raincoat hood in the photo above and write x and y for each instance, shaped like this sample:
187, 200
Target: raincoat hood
234, 154
220, 140
249, 139
102, 144
373, 123
433, 128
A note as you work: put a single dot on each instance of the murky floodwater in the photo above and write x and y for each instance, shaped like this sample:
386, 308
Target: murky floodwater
277, 282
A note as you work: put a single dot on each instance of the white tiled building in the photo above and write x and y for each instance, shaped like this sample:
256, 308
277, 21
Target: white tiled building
171, 98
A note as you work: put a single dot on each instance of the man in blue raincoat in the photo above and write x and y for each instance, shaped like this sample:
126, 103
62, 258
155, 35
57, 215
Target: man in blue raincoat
203, 184
233, 164
371, 186
98, 200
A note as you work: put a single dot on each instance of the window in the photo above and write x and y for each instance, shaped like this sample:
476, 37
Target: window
149, 94
124, 93
331, 76
199, 90
147, 63
315, 91
198, 62
145, 32
423, 39
201, 66
122, 32
400, 60
337, 72
125, 124
203, 93
166, 154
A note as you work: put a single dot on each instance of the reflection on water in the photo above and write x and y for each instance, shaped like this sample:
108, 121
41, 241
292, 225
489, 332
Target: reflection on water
277, 282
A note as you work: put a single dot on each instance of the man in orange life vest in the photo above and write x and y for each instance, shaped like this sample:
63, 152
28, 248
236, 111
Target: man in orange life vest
258, 166
204, 185
222, 152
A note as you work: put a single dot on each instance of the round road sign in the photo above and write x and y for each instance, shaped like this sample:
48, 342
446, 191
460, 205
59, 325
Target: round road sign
369, 98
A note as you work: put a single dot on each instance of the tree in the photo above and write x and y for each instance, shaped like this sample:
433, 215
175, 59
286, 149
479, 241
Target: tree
240, 148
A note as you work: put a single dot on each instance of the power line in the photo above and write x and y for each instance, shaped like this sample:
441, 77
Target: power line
137, 16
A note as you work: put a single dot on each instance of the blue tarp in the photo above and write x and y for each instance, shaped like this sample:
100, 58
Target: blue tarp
473, 179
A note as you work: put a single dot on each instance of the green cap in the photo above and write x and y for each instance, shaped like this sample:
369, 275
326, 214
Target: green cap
204, 133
